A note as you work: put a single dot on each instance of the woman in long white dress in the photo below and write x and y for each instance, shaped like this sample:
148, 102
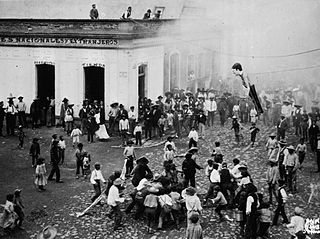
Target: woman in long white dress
101, 133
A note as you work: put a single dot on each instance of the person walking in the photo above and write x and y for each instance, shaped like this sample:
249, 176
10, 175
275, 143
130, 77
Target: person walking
34, 151
41, 171
54, 153
282, 199
189, 167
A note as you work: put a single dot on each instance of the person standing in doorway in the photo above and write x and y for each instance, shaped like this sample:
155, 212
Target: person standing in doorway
94, 14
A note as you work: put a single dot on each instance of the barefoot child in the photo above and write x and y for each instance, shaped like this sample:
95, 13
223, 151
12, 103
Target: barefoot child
253, 131
21, 136
75, 135
62, 148
41, 180
130, 156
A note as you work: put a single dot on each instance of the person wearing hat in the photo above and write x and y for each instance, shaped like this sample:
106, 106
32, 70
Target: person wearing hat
211, 108
94, 14
297, 223
214, 179
297, 119
148, 117
48, 232
35, 112
84, 114
147, 15
123, 128
272, 179
272, 143
34, 151
114, 201
11, 112
291, 164
112, 117
282, 126
283, 152
192, 201
130, 156
21, 136
21, 108
55, 159
96, 180
236, 126
68, 119
63, 110
282, 199
189, 167
140, 171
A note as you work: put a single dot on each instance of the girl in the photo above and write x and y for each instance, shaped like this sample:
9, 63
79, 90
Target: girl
40, 174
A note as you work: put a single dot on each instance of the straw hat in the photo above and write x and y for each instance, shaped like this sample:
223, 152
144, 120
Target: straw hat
65, 100
290, 147
20, 96
48, 232
283, 142
117, 182
11, 96
243, 165
272, 135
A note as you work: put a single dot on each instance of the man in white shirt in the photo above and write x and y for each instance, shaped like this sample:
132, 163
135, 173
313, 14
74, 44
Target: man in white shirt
214, 181
123, 128
96, 179
21, 108
132, 115
114, 200
235, 170
210, 107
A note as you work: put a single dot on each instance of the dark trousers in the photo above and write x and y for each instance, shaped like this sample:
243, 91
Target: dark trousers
192, 143
55, 170
302, 156
132, 124
138, 138
210, 190
21, 141
129, 166
272, 190
318, 159
251, 226
112, 123
289, 177
218, 210
228, 192
264, 230
10, 123
61, 155
280, 210
282, 171
22, 120
34, 159
90, 136
253, 138
161, 130
313, 142
79, 165
148, 130
123, 134
281, 134
210, 118
222, 117
189, 178
97, 190
117, 216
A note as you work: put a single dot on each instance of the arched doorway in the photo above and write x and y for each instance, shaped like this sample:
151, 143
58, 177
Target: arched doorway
94, 83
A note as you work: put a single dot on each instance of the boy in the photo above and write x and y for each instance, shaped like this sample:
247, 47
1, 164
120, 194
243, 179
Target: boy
272, 178
21, 136
96, 179
161, 124
62, 148
130, 156
34, 151
193, 138
253, 131
301, 150
123, 128
137, 132
272, 144
75, 135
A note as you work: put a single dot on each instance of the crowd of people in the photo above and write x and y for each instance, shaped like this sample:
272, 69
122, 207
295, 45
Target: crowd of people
172, 194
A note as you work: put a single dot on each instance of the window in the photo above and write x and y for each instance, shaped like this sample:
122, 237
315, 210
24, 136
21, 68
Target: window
174, 71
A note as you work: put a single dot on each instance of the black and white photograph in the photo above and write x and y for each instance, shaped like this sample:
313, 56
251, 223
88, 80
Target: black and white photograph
157, 119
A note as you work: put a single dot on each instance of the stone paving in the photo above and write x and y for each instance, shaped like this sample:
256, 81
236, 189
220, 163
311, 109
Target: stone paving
97, 225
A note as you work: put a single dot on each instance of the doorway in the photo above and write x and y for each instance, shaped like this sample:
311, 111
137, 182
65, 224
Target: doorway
45, 81
94, 83
142, 84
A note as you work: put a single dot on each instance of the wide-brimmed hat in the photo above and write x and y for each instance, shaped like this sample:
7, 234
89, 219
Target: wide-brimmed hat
117, 182
114, 104
191, 191
298, 210
192, 149
298, 106
17, 191
11, 96
285, 102
97, 164
48, 232
188, 93
70, 105
142, 160
20, 96
283, 142
243, 165
160, 97
65, 100
272, 135
290, 147
168, 93
234, 117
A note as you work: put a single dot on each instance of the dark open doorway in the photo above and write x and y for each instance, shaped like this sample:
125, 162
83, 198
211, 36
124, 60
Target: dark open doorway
45, 81
142, 77
94, 83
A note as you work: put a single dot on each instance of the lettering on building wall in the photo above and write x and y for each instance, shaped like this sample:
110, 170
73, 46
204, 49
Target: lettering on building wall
44, 63
78, 42
93, 64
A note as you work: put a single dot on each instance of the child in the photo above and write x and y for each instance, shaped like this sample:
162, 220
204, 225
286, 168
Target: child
18, 207
170, 120
253, 115
236, 127
137, 132
301, 150
209, 168
86, 164
253, 131
193, 138
34, 151
169, 154
161, 123
194, 229
21, 136
62, 148
217, 153
272, 144
40, 174
272, 178
130, 156
75, 135
96, 179
297, 223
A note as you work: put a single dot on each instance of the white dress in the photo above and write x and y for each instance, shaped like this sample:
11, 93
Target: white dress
101, 133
